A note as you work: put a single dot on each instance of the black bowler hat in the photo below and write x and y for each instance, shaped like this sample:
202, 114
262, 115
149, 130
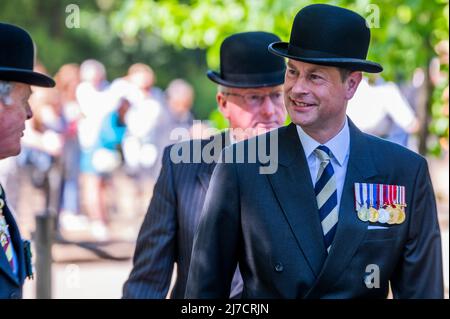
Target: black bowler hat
17, 57
328, 35
246, 63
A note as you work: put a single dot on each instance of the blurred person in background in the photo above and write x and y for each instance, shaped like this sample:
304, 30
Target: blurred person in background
176, 114
381, 109
105, 159
137, 85
180, 99
249, 97
147, 102
43, 142
67, 80
16, 76
95, 103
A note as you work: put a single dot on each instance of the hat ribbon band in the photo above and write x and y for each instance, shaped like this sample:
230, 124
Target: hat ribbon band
315, 54
253, 77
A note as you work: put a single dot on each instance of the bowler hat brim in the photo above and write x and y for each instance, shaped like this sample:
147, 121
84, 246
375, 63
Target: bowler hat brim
247, 81
26, 76
281, 49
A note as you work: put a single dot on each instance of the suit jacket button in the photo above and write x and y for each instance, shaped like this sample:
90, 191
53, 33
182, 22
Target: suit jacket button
279, 267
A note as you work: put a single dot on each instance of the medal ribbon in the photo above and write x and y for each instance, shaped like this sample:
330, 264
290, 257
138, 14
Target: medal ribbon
362, 188
367, 197
391, 195
385, 195
380, 196
374, 201
357, 197
395, 201
5, 241
403, 195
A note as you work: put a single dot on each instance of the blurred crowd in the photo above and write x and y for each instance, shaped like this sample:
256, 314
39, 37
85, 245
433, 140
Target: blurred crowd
86, 129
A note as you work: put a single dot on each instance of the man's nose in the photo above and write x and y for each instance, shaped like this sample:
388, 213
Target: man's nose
267, 106
28, 111
300, 86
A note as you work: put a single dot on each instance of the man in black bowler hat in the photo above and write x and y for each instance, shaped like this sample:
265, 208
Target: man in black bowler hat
250, 97
346, 215
16, 77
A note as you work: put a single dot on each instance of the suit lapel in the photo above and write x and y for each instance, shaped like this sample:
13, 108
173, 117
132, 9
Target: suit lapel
293, 188
350, 230
204, 178
17, 245
205, 171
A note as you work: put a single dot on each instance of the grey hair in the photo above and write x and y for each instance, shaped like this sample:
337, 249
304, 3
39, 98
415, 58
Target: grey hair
179, 85
5, 91
222, 89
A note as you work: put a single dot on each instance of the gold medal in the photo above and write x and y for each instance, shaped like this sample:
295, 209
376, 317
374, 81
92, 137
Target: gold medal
401, 216
373, 215
363, 214
393, 215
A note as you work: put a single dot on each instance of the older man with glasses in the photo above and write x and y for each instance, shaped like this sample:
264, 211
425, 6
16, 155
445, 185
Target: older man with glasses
250, 97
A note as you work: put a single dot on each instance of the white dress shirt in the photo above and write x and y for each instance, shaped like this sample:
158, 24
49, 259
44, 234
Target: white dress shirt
339, 146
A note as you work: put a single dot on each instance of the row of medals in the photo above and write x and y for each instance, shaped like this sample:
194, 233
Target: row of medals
3, 226
390, 214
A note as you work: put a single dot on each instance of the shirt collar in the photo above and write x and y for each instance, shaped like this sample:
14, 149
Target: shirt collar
339, 145
232, 138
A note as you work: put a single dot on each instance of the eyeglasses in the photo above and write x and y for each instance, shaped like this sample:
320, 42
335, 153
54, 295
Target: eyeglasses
255, 100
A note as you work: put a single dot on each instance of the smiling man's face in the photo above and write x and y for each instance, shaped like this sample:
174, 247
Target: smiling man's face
316, 97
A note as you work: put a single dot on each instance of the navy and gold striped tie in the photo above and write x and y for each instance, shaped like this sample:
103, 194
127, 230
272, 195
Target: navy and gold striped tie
326, 195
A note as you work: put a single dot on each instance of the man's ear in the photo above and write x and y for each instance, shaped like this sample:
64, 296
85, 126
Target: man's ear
222, 104
351, 84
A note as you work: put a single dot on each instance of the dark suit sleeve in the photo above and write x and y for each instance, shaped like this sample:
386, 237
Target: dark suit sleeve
154, 256
214, 254
419, 273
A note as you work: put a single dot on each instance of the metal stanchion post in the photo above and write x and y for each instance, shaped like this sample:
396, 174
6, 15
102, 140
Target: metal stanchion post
45, 228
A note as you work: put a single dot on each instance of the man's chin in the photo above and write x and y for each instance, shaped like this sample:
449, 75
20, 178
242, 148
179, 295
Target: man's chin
10, 152
258, 130
266, 127
16, 152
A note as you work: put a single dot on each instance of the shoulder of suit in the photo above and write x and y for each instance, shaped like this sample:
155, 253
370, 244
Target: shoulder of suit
263, 137
392, 150
191, 151
193, 143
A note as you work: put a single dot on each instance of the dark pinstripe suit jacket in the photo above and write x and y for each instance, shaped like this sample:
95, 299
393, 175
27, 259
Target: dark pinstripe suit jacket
167, 233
